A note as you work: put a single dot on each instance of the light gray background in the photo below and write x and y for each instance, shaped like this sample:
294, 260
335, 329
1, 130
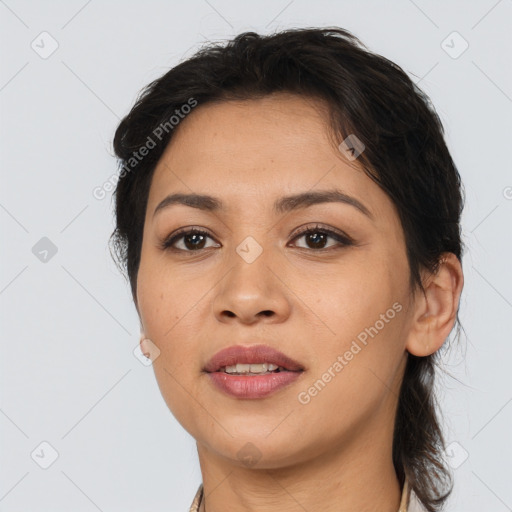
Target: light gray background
69, 374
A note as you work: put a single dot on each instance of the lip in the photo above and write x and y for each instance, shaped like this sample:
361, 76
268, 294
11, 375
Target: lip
252, 386
251, 355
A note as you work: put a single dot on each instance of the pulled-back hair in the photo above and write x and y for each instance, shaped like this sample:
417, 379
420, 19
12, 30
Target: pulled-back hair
405, 153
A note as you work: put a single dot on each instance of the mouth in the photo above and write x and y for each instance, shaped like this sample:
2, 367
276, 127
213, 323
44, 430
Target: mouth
251, 360
253, 369
252, 372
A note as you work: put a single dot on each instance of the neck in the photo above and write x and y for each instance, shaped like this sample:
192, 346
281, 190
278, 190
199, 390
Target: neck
354, 476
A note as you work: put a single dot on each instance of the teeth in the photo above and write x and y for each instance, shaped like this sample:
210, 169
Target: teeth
250, 368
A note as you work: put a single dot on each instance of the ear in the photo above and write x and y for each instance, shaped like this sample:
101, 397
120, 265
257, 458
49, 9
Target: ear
145, 346
142, 339
435, 311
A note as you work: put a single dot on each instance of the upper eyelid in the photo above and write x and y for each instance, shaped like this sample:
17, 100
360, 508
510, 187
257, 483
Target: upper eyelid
299, 231
319, 227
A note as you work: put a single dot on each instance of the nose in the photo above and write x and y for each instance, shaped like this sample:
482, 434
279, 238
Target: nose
253, 292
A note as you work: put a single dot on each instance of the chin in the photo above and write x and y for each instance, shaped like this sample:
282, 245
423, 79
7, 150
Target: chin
258, 450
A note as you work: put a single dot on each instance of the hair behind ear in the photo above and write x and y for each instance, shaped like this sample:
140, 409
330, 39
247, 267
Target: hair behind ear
418, 442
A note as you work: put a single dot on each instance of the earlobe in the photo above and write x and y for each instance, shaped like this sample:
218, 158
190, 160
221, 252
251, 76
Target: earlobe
145, 346
436, 310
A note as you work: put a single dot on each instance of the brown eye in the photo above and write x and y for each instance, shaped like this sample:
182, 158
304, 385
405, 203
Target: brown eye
191, 240
316, 238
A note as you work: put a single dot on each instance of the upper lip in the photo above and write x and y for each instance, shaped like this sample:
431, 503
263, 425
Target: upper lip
251, 355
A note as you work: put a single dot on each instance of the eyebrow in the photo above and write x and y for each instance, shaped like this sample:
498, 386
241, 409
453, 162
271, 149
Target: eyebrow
282, 205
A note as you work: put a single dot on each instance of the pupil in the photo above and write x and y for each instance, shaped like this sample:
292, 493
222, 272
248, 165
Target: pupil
315, 237
193, 237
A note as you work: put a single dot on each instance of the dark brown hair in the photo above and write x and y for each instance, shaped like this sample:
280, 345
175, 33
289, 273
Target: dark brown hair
405, 153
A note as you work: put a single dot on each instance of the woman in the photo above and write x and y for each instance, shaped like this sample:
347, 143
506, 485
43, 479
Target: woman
288, 216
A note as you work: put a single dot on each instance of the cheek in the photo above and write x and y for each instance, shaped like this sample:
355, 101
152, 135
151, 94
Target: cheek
163, 299
364, 308
165, 306
356, 367
357, 296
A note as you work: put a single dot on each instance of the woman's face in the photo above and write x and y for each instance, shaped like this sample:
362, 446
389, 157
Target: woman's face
339, 307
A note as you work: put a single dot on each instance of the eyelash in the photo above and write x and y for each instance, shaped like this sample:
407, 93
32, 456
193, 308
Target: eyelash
344, 240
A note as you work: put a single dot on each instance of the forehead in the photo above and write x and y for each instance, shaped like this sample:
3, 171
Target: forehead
272, 124
257, 149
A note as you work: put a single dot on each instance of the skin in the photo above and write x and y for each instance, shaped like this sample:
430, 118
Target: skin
333, 453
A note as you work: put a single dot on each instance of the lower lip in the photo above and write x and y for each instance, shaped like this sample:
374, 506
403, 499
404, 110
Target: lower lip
252, 386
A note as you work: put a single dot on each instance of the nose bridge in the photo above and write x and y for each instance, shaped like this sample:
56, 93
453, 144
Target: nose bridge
251, 285
251, 263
